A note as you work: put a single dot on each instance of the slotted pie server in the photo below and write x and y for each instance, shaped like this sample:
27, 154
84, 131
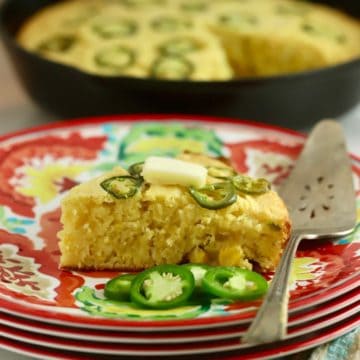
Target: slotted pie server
320, 196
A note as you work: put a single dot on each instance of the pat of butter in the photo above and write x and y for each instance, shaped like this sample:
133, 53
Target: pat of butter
166, 171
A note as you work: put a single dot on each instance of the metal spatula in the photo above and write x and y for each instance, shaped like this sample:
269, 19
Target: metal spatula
320, 196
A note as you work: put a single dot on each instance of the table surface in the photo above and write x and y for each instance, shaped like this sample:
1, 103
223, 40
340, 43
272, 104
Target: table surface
18, 112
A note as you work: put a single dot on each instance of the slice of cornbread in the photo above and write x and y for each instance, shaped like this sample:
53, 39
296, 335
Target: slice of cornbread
164, 224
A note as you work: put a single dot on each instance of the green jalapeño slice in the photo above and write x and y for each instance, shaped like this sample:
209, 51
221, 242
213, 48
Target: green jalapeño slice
198, 271
194, 6
221, 172
235, 20
180, 46
141, 3
249, 185
115, 29
298, 9
115, 58
118, 288
57, 44
162, 287
121, 187
172, 68
234, 283
214, 196
169, 24
136, 169
321, 31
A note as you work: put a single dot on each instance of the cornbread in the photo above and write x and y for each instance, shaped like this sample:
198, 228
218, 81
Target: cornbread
164, 224
192, 39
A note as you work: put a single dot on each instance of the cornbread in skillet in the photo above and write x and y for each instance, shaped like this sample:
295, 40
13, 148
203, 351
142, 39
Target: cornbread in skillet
192, 39
163, 224
265, 37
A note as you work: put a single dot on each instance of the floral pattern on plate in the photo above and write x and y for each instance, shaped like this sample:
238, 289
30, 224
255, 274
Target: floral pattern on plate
38, 167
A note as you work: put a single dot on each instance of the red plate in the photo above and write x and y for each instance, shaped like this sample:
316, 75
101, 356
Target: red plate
37, 166
313, 315
314, 334
262, 353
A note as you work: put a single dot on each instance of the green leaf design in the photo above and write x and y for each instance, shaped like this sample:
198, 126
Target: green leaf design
97, 306
167, 139
106, 166
2, 214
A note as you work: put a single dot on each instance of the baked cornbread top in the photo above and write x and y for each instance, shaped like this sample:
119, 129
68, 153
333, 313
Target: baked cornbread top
192, 39
108, 225
266, 206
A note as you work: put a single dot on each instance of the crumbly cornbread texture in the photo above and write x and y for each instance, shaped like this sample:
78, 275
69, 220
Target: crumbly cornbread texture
163, 224
192, 39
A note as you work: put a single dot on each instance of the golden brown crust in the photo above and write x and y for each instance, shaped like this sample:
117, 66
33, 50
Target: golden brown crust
286, 237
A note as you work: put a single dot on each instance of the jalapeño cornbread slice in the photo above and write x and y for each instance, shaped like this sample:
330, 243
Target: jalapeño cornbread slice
164, 224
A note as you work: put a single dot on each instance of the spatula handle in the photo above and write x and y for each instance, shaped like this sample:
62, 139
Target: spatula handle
271, 319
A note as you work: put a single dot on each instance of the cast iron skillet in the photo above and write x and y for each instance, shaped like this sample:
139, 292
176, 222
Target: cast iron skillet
293, 100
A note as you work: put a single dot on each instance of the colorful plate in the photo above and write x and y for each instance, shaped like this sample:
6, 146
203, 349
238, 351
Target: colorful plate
351, 298
143, 326
38, 166
262, 353
349, 314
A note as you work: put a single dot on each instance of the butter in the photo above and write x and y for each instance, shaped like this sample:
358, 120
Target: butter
167, 171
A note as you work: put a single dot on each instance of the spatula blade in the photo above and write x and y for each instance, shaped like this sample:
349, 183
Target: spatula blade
319, 192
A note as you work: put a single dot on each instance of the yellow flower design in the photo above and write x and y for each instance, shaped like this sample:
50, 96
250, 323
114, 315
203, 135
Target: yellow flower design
165, 143
41, 183
302, 270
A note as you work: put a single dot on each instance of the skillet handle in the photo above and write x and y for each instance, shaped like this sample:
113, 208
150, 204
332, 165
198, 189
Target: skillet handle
271, 319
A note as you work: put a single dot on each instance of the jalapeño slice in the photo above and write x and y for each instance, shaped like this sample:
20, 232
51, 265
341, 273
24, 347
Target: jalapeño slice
168, 24
236, 19
221, 172
115, 29
249, 185
162, 287
198, 271
172, 68
118, 288
77, 19
141, 3
121, 187
180, 46
194, 6
214, 196
234, 283
326, 32
136, 169
298, 9
115, 58
58, 44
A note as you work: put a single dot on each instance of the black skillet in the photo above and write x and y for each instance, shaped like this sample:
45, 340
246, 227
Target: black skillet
293, 100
